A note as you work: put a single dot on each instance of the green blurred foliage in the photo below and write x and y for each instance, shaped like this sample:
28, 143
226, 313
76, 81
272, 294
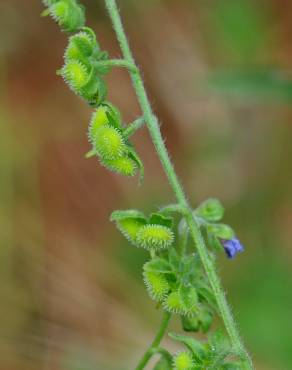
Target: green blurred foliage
272, 85
238, 29
264, 303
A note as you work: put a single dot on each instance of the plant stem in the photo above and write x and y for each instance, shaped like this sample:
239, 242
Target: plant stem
117, 63
134, 126
173, 208
183, 237
153, 127
153, 348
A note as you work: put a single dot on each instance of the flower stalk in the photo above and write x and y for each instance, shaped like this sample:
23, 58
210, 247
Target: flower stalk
156, 342
153, 127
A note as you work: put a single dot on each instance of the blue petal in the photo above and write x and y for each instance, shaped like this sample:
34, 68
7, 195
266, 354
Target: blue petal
232, 247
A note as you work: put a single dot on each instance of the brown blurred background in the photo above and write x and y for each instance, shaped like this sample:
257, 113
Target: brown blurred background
219, 77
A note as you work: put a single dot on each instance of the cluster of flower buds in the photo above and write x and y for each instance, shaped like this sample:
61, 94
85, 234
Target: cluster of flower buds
153, 233
180, 285
215, 354
109, 142
69, 14
177, 282
220, 236
84, 74
80, 71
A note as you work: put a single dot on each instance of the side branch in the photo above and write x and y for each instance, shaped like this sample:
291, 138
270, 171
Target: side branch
153, 348
134, 126
117, 63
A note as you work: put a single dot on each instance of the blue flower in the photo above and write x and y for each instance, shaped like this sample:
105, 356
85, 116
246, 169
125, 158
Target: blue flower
232, 247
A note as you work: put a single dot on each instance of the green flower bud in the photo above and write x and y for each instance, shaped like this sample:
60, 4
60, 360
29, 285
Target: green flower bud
98, 119
75, 74
183, 361
109, 143
205, 319
155, 237
174, 303
123, 165
211, 210
182, 301
80, 47
68, 14
190, 323
105, 114
156, 284
83, 81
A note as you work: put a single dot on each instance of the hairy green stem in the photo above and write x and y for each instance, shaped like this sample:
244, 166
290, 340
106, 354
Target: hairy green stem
134, 126
153, 127
173, 208
117, 63
153, 348
184, 236
163, 352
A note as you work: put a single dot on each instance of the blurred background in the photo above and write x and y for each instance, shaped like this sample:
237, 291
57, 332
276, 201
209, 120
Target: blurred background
220, 79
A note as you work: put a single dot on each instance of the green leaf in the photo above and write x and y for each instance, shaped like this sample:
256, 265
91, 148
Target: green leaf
158, 265
219, 342
205, 319
196, 347
89, 31
189, 297
102, 55
183, 228
211, 210
190, 269
172, 208
206, 294
190, 323
159, 219
113, 115
174, 259
231, 366
132, 154
222, 231
214, 243
130, 213
129, 222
